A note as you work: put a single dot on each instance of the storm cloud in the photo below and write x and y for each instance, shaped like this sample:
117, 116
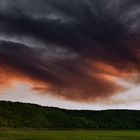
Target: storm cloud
80, 50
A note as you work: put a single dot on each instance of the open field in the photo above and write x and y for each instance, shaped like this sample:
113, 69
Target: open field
68, 135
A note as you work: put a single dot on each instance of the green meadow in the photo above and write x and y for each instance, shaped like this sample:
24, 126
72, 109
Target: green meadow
68, 135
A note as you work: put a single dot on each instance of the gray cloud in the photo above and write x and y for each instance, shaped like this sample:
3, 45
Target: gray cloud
71, 45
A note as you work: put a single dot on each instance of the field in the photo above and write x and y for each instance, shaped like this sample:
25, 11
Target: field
68, 135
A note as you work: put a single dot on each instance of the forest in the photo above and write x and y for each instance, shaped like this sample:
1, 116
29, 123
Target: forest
23, 115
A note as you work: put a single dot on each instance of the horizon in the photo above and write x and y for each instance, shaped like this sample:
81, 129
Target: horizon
65, 108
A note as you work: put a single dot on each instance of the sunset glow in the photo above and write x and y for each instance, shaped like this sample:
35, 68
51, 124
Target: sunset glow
77, 55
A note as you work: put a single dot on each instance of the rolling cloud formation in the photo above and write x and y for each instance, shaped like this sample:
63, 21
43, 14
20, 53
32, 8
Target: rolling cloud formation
81, 50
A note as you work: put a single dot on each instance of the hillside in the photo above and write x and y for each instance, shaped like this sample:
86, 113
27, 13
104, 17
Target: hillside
35, 116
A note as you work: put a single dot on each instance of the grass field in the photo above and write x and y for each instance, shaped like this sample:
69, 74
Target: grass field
68, 135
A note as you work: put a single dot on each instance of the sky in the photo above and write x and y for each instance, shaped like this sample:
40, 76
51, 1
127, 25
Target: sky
74, 54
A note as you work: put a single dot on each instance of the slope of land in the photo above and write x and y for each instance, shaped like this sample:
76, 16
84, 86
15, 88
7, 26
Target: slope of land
35, 116
17, 134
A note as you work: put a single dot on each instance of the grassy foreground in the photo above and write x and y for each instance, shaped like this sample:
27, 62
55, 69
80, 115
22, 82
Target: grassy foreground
68, 135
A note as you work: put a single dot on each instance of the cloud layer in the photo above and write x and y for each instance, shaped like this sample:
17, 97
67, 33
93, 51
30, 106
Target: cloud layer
81, 50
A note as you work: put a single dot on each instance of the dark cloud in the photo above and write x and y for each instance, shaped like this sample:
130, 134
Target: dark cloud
76, 47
